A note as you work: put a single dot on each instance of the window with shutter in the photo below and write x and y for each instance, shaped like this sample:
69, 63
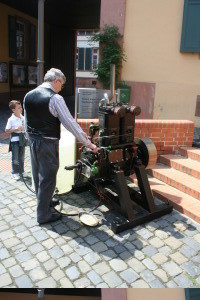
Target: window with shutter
95, 58
88, 59
32, 44
84, 59
20, 40
190, 40
18, 31
12, 36
77, 59
81, 59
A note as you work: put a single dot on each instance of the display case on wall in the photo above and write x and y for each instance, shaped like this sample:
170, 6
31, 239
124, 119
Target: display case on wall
32, 75
18, 75
22, 75
3, 72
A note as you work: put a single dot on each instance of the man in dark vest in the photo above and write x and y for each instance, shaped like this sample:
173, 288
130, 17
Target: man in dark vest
44, 110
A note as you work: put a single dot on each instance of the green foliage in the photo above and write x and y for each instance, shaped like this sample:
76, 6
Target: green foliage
111, 53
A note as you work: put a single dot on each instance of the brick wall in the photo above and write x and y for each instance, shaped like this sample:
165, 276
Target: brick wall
113, 294
167, 135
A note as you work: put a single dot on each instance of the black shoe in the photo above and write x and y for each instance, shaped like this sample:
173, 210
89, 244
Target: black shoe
54, 217
54, 203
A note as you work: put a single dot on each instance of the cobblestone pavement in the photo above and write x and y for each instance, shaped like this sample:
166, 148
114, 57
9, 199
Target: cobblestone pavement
162, 253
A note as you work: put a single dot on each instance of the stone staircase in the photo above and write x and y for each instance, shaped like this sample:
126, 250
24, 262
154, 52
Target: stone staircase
176, 178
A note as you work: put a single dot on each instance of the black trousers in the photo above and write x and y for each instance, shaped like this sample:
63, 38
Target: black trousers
45, 164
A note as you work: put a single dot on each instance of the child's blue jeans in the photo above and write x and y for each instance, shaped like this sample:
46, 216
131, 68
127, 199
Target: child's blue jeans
17, 158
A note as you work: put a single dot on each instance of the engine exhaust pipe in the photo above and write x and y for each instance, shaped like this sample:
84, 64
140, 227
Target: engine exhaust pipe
112, 82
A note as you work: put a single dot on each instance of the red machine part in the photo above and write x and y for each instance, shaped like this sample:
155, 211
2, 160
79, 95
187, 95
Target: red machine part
136, 110
115, 156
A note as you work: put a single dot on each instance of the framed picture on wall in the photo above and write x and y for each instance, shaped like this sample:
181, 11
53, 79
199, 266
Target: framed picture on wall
3, 72
32, 75
22, 75
18, 75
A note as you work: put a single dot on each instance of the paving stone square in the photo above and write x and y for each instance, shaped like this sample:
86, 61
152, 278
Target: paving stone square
66, 254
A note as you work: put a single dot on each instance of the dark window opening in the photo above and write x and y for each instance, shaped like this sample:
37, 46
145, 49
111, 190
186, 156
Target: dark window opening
87, 59
22, 39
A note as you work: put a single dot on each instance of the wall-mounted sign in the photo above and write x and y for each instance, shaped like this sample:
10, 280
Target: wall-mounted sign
3, 72
88, 102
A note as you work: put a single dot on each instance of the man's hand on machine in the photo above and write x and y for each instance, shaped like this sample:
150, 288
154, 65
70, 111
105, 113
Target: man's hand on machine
93, 147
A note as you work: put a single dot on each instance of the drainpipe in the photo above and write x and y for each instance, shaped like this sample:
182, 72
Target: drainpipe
40, 59
40, 294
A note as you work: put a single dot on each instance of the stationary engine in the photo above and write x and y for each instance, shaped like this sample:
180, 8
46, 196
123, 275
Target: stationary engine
119, 156
118, 149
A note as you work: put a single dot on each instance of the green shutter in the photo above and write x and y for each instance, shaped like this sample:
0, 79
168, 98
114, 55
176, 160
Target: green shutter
192, 294
81, 59
190, 40
12, 36
88, 59
32, 44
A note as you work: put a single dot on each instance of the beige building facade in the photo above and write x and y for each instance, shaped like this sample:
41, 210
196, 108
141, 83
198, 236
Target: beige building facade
164, 81
155, 294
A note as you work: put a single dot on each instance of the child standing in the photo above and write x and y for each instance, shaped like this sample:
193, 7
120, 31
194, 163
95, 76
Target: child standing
15, 126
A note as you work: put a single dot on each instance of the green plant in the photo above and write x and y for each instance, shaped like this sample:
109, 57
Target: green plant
111, 53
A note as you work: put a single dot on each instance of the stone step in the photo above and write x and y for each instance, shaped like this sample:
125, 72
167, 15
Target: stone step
181, 181
182, 202
182, 164
191, 152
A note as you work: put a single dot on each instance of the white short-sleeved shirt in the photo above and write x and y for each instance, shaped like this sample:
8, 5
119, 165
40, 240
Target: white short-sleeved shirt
14, 122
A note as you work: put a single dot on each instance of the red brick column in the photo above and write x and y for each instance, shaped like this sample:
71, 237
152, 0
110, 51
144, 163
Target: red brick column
113, 294
113, 13
167, 135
